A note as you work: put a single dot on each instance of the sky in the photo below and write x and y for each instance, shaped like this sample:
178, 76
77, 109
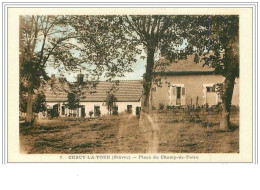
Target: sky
138, 68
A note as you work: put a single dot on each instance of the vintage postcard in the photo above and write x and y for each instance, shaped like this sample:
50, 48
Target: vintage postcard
130, 85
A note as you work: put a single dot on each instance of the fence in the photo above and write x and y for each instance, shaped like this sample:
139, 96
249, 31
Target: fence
209, 115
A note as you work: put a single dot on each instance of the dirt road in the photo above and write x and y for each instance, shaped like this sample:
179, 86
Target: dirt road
122, 133
149, 133
152, 131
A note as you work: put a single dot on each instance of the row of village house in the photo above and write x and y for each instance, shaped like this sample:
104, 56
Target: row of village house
181, 84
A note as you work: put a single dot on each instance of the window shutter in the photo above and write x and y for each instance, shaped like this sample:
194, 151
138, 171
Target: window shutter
173, 91
183, 91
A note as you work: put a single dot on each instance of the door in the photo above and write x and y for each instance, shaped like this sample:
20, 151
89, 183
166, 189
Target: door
63, 110
178, 95
129, 108
55, 111
83, 114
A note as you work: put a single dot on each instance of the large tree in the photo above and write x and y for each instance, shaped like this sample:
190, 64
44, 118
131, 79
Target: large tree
218, 45
43, 40
112, 43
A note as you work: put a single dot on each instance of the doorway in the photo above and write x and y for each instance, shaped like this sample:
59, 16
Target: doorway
178, 98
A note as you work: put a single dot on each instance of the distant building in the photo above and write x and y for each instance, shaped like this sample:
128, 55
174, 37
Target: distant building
186, 83
92, 96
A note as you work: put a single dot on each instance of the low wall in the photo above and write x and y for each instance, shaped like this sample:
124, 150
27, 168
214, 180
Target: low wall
195, 115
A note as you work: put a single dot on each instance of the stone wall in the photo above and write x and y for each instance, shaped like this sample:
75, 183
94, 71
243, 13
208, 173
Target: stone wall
203, 115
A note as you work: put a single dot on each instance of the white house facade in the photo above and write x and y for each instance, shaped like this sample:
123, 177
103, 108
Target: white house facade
187, 83
93, 99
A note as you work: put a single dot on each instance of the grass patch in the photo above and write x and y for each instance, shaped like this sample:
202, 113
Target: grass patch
42, 144
86, 145
233, 127
53, 139
122, 134
194, 138
191, 145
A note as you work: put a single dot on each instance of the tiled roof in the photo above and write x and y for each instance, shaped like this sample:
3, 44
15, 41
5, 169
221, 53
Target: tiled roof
185, 65
55, 89
124, 91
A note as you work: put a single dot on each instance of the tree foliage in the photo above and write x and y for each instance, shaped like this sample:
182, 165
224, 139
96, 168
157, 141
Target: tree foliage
43, 40
39, 103
73, 101
219, 44
104, 47
219, 48
110, 102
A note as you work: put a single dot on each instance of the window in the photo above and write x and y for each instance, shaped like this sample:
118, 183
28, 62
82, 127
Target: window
55, 110
178, 92
63, 110
83, 114
129, 108
97, 110
210, 89
115, 110
137, 110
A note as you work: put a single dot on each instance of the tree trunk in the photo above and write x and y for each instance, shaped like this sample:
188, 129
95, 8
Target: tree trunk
147, 81
228, 88
29, 112
232, 72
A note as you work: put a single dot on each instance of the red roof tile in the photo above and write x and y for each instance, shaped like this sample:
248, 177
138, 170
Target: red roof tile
125, 91
185, 65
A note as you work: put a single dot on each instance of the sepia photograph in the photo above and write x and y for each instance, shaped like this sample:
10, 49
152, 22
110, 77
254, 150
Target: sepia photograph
126, 95
110, 84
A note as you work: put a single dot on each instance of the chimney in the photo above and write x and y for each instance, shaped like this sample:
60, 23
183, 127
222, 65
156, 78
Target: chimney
80, 78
